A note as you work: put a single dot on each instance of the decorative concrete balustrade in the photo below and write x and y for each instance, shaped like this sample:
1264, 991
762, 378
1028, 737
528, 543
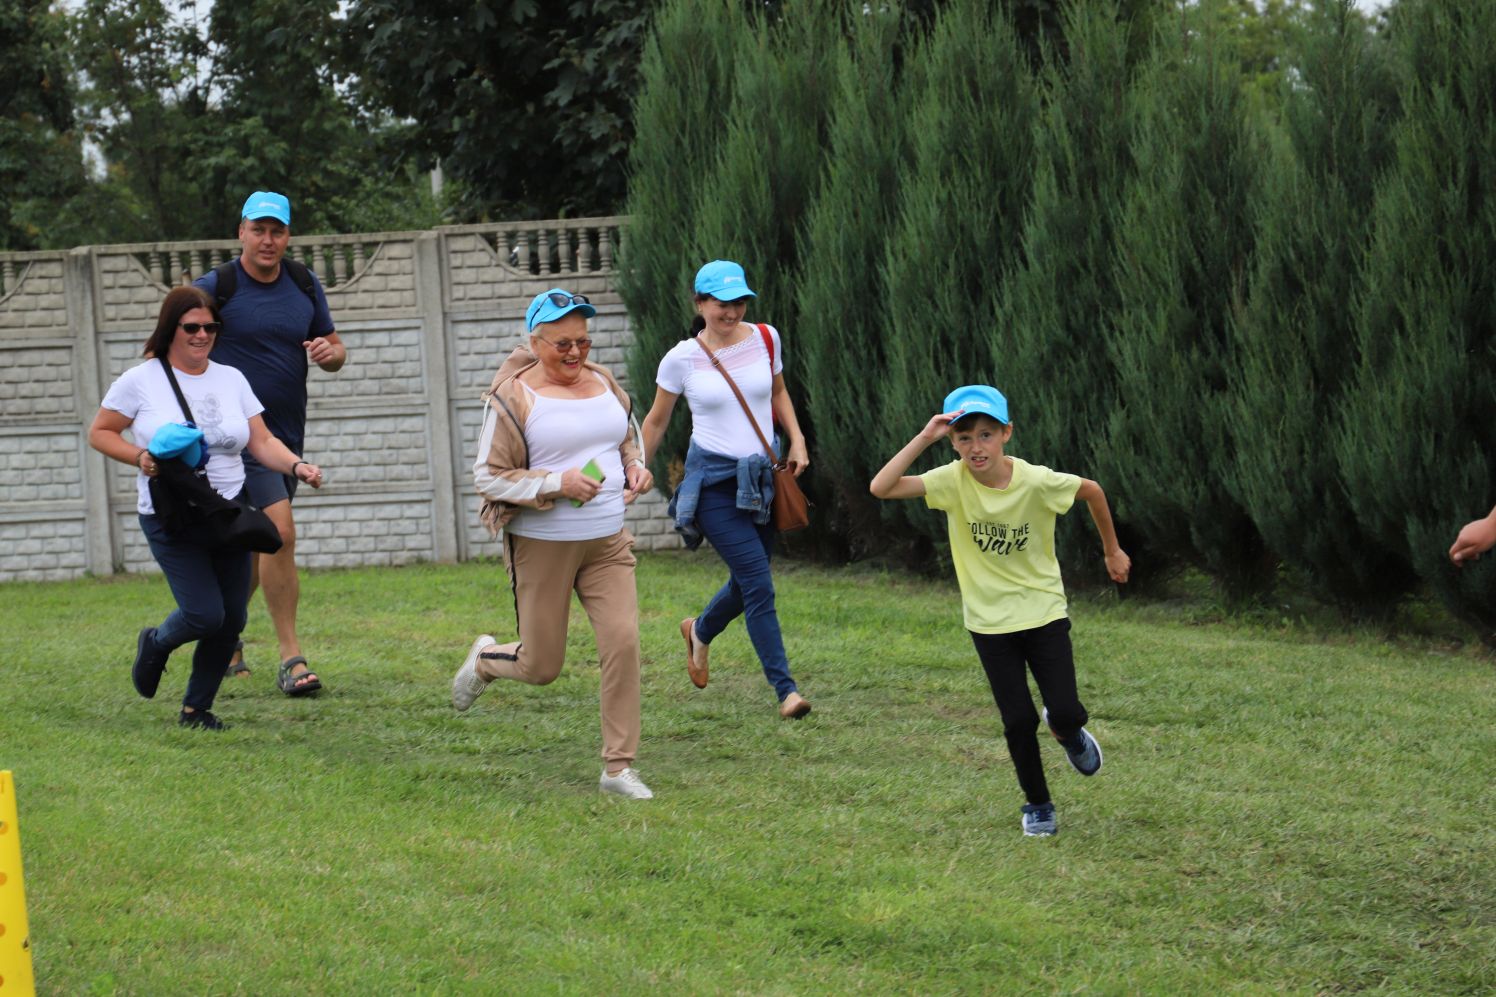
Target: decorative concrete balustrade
427, 317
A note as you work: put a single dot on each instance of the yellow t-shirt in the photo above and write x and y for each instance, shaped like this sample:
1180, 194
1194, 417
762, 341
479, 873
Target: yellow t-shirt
1002, 541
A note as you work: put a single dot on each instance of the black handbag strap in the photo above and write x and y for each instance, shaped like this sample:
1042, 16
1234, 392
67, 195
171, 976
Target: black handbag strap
773, 458
177, 389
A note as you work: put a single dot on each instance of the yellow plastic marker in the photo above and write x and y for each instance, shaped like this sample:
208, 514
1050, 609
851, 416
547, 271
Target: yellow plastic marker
16, 979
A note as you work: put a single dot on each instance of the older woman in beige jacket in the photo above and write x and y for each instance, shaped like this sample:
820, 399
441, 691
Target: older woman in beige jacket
558, 461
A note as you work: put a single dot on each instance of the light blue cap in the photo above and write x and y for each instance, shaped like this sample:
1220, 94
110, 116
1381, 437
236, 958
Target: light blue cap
723, 280
267, 204
177, 439
971, 399
551, 305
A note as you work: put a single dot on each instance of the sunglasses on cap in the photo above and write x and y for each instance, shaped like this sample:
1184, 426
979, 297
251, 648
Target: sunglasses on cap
565, 346
566, 300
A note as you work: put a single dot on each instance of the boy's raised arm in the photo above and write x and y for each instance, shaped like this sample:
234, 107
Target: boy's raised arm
1118, 564
891, 482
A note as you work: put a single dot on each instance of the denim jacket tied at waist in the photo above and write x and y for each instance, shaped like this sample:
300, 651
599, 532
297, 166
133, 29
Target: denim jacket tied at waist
755, 477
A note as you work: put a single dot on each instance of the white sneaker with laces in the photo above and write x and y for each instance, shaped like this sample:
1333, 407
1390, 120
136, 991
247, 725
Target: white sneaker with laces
626, 783
467, 684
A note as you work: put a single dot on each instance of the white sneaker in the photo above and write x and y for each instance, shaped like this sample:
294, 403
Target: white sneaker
467, 684
626, 783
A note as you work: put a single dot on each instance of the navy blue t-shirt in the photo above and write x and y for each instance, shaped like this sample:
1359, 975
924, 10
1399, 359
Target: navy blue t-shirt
264, 327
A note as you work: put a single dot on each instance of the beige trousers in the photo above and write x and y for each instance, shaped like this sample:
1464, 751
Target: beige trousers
544, 573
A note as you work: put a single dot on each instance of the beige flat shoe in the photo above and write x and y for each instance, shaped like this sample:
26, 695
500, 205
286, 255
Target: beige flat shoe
694, 649
794, 706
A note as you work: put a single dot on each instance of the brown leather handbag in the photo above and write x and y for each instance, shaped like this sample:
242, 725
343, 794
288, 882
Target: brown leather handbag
790, 509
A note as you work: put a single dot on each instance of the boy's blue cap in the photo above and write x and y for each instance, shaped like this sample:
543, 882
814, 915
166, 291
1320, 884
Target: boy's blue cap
723, 280
267, 204
974, 398
551, 305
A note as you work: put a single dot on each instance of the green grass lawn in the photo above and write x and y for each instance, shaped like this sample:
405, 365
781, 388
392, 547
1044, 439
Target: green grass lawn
1281, 810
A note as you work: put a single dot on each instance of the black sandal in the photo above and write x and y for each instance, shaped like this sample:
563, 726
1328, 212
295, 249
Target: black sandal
297, 685
237, 668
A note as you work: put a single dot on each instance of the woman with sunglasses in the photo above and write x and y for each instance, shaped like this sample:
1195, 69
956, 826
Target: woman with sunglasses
722, 497
558, 460
211, 586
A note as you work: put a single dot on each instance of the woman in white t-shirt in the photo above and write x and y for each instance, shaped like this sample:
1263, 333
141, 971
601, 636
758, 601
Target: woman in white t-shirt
728, 485
558, 459
211, 586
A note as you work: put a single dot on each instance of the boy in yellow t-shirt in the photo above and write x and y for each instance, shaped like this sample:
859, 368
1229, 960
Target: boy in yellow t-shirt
1000, 516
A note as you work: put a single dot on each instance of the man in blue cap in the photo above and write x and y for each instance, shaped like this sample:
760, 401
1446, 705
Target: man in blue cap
276, 320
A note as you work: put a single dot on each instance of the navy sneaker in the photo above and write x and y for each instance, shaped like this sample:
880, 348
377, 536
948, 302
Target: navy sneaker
1085, 756
149, 663
1039, 820
201, 720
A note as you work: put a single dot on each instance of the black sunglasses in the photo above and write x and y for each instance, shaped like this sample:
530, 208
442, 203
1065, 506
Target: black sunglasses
212, 328
563, 300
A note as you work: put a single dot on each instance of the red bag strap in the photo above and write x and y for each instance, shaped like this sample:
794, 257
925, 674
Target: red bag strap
741, 400
763, 331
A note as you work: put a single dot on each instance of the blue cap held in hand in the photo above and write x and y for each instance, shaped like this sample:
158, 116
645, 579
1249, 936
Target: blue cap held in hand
176, 439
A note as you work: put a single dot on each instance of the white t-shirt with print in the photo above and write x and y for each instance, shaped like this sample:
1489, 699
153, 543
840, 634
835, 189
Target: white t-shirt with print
222, 405
717, 420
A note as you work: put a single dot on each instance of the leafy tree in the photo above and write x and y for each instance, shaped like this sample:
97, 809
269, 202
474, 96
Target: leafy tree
41, 161
147, 101
1296, 337
287, 127
1415, 439
525, 104
190, 121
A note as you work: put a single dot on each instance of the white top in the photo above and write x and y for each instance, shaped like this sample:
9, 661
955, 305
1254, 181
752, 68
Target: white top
221, 402
717, 420
563, 433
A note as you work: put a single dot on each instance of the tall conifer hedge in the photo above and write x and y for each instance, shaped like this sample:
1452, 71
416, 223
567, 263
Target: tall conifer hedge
1417, 438
1296, 337
1050, 353
1265, 325
971, 127
1184, 241
686, 82
843, 323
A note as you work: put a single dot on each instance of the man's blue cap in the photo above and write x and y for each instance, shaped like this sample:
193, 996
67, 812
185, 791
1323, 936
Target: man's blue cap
723, 280
267, 204
971, 399
551, 305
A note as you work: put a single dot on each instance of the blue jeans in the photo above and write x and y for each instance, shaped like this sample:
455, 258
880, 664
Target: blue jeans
749, 592
212, 593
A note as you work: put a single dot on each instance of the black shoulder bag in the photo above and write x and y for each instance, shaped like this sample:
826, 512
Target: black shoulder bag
191, 509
